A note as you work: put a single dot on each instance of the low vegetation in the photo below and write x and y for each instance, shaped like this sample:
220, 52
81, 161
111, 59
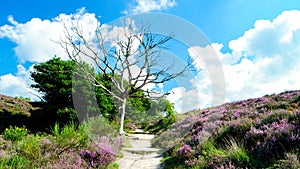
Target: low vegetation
66, 147
255, 133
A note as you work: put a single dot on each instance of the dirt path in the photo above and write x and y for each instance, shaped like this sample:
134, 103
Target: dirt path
140, 155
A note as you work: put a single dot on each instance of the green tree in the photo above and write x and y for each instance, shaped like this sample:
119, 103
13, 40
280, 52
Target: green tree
105, 102
54, 78
167, 116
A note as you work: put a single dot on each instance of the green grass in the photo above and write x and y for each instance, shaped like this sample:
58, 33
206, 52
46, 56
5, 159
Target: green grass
69, 136
29, 148
14, 162
174, 162
113, 166
236, 151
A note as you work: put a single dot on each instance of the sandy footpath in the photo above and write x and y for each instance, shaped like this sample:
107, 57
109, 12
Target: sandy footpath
140, 155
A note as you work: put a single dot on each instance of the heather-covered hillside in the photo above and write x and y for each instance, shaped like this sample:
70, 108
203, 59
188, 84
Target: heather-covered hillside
255, 133
19, 111
14, 106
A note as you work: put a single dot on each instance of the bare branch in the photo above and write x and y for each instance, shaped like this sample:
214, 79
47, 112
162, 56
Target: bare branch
128, 60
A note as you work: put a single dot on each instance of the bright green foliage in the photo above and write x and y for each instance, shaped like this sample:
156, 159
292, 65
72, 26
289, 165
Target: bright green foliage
170, 117
209, 151
113, 166
29, 148
15, 133
54, 79
138, 108
69, 137
237, 152
66, 114
105, 102
84, 93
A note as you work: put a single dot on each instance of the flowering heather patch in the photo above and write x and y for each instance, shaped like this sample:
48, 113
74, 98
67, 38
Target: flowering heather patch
101, 157
66, 148
264, 130
68, 159
185, 151
174, 134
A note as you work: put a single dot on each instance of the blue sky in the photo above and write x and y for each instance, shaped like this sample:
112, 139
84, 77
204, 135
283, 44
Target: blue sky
256, 41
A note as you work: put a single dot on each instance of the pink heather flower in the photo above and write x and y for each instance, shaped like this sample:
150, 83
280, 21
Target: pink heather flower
47, 142
101, 157
184, 150
295, 137
79, 161
1, 153
237, 114
281, 127
254, 132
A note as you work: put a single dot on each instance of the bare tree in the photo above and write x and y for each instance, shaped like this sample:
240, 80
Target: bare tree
127, 60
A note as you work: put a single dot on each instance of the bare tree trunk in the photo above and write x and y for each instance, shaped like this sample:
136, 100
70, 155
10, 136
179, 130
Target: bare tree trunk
122, 111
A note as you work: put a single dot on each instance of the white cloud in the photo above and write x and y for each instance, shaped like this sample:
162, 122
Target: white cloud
270, 57
19, 84
36, 38
140, 6
35, 42
198, 96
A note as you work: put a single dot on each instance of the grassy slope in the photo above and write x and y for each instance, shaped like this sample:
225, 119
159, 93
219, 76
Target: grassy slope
255, 133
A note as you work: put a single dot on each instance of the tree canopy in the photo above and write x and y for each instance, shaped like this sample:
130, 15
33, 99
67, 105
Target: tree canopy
54, 78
